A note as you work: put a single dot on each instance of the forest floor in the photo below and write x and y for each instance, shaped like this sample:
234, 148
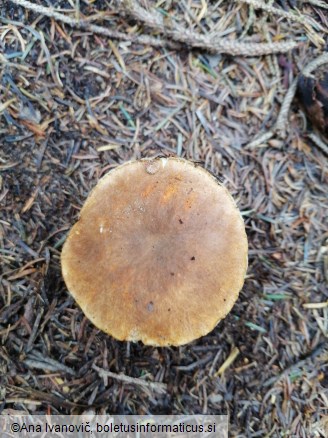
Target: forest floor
197, 79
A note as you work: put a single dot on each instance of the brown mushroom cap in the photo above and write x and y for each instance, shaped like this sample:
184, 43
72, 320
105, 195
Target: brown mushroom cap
313, 92
159, 253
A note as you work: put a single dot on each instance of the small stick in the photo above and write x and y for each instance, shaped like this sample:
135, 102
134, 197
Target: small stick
318, 142
229, 361
281, 123
196, 364
34, 331
276, 11
316, 305
210, 43
38, 361
262, 138
282, 119
320, 3
156, 386
25, 401
314, 64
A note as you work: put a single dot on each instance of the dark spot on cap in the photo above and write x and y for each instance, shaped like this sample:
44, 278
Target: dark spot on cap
193, 258
172, 273
181, 221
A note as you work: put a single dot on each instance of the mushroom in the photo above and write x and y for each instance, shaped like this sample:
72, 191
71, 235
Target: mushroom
159, 253
313, 93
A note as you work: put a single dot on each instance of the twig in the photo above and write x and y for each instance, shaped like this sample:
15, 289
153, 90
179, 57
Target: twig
84, 24
320, 3
284, 110
210, 43
318, 142
314, 64
34, 332
229, 361
44, 366
257, 4
38, 361
156, 386
260, 139
25, 401
282, 119
196, 364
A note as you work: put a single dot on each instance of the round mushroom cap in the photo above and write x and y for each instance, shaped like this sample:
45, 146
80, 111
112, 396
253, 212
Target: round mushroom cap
159, 253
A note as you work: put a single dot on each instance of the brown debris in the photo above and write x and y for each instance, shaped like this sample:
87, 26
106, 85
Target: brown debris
313, 93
